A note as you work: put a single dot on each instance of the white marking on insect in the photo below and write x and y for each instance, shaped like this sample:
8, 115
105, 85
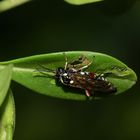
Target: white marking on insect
102, 74
109, 84
65, 74
82, 73
71, 82
87, 73
103, 78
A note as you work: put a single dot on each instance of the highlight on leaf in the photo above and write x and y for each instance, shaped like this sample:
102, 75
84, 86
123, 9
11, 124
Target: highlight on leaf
7, 117
9, 4
5, 80
81, 2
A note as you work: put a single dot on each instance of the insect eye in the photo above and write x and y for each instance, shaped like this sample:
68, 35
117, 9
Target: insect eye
66, 80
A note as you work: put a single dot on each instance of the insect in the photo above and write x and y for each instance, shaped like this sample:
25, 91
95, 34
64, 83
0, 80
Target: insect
73, 74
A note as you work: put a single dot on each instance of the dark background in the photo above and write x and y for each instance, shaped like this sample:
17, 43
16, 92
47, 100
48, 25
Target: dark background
111, 27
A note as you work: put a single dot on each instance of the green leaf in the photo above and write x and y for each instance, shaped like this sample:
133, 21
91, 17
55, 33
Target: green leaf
5, 79
80, 2
8, 4
25, 71
7, 118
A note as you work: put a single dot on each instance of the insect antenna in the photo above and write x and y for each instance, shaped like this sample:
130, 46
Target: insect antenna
44, 71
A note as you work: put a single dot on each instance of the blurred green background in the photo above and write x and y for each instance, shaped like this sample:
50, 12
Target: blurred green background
111, 27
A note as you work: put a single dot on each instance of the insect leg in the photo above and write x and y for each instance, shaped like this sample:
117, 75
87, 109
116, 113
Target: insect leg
87, 93
86, 66
66, 61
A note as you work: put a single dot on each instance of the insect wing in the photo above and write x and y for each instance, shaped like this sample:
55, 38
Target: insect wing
78, 63
92, 84
103, 86
82, 81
